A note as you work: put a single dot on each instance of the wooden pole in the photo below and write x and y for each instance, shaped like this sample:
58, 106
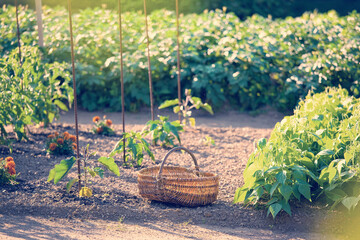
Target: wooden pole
18, 30
75, 97
178, 56
122, 77
149, 64
39, 22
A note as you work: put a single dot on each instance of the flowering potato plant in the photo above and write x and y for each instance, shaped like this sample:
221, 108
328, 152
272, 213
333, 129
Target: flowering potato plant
7, 170
63, 144
102, 127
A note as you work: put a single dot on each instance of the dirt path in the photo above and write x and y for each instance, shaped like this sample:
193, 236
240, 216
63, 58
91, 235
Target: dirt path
29, 228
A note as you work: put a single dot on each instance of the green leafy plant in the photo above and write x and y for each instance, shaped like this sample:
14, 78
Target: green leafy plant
313, 155
135, 148
62, 169
189, 103
102, 127
31, 92
164, 131
7, 171
61, 144
208, 141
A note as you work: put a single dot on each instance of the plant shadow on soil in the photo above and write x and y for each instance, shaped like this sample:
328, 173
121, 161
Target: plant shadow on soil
117, 197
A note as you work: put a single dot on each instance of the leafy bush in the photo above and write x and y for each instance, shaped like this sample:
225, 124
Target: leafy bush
163, 130
33, 92
313, 154
223, 59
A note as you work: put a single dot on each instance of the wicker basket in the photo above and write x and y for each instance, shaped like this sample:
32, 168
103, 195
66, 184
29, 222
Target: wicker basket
177, 184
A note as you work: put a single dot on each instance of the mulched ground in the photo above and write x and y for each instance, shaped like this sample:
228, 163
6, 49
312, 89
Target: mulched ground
117, 197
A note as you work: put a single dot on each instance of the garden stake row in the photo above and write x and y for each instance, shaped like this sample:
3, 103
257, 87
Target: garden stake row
122, 75
149, 64
178, 55
18, 31
75, 98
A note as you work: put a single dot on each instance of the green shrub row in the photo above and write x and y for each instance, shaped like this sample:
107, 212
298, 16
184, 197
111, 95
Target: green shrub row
249, 64
313, 154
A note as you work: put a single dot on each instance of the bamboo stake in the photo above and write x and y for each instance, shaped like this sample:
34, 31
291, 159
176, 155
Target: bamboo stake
122, 76
75, 97
39, 22
18, 32
149, 64
178, 56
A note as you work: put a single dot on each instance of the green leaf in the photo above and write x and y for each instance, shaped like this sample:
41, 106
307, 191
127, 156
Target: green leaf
305, 191
325, 152
273, 188
285, 206
350, 202
70, 184
174, 130
335, 194
286, 191
169, 103
110, 164
61, 105
274, 209
208, 108
281, 177
99, 172
61, 170
261, 143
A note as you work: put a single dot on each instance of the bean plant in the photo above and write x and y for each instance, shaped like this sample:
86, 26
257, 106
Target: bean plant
311, 155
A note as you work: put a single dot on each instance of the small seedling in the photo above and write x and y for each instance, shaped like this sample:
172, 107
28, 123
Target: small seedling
189, 103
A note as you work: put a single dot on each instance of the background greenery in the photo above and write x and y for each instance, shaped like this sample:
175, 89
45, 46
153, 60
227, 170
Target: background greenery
224, 60
242, 8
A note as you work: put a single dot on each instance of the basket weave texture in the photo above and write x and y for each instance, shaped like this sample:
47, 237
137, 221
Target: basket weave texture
177, 184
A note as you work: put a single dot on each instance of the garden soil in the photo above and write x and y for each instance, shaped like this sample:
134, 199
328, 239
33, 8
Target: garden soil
37, 209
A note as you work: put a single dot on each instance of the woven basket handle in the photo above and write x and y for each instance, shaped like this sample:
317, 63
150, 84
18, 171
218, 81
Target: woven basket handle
172, 150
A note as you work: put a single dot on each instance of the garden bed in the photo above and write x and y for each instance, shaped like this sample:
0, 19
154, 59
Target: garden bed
117, 197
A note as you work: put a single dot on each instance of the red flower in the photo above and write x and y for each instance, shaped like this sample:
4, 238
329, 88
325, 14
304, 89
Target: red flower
9, 159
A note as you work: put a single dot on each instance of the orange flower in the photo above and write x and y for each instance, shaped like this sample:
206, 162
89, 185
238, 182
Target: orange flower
96, 119
73, 138
56, 134
9, 159
52, 146
60, 141
74, 146
10, 164
51, 136
108, 122
99, 130
66, 135
12, 171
